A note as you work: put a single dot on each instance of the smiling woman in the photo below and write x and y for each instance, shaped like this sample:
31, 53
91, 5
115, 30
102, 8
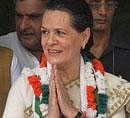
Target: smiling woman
58, 36
67, 83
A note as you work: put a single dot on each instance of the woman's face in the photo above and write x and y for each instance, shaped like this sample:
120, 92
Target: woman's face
60, 41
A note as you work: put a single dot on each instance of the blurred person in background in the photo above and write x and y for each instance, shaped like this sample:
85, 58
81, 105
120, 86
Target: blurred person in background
109, 47
26, 41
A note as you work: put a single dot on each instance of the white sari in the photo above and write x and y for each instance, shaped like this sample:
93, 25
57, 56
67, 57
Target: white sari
20, 98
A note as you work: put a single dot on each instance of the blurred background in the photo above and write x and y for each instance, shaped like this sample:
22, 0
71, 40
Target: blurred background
121, 22
7, 19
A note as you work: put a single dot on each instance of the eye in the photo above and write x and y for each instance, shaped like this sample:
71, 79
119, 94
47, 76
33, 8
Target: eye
60, 33
34, 16
18, 15
44, 32
94, 4
111, 4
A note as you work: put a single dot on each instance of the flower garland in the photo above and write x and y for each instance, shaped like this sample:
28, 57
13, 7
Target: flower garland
93, 77
36, 84
92, 87
41, 90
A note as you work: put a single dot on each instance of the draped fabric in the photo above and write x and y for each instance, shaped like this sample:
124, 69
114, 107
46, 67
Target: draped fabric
17, 107
5, 77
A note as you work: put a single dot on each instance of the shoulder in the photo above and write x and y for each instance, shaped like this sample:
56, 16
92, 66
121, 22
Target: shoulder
22, 81
22, 86
9, 40
20, 96
22, 89
118, 93
115, 79
9, 35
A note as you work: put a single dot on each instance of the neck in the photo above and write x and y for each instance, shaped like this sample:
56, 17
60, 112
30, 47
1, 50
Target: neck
101, 40
37, 54
70, 71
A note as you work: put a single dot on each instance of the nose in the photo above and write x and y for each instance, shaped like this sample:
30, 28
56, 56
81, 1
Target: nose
52, 39
25, 22
102, 10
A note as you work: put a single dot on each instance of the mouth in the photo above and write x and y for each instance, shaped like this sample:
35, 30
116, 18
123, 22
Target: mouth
26, 35
54, 52
100, 21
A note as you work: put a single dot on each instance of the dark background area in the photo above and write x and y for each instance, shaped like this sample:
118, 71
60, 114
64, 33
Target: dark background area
7, 20
122, 15
121, 24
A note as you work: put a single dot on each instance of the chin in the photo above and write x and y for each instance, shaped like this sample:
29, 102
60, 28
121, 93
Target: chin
100, 28
54, 61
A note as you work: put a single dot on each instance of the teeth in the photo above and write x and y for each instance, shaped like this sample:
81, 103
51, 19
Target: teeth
54, 51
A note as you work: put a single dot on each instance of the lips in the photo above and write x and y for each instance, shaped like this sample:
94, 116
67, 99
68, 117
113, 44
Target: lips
100, 21
27, 35
54, 52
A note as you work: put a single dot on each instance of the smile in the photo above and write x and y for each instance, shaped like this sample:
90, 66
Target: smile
100, 21
54, 52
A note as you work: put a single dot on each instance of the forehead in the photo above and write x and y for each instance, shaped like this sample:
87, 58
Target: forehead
30, 1
56, 14
29, 6
56, 18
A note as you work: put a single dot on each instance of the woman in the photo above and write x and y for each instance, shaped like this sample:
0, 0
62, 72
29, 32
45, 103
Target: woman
71, 86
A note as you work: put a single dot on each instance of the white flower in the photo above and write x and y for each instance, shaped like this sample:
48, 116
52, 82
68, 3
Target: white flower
44, 109
91, 113
102, 116
100, 80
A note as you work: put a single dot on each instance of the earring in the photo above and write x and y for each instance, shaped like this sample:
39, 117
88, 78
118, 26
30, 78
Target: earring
83, 46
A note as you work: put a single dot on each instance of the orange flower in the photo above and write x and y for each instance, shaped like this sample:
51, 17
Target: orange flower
91, 97
97, 65
43, 61
92, 105
34, 81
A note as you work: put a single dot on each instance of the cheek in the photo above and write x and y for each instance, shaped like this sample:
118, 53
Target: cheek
43, 43
110, 19
18, 22
110, 14
94, 13
74, 49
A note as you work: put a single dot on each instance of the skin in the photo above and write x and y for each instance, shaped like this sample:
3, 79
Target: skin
61, 44
53, 103
28, 22
58, 37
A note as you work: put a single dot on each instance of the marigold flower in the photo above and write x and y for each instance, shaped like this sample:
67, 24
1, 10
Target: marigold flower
34, 81
43, 61
97, 65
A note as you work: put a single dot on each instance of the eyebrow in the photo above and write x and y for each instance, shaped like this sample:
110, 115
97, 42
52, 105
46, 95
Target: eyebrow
42, 27
29, 14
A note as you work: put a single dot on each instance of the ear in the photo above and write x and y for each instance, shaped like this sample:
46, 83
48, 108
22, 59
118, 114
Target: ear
85, 37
